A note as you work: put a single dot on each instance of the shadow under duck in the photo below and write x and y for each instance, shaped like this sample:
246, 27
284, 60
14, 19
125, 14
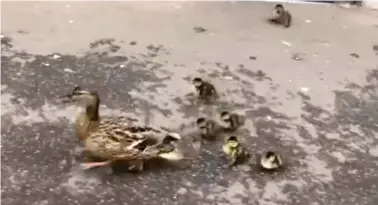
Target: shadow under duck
114, 139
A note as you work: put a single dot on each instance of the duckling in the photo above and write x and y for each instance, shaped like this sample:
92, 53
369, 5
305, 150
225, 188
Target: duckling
235, 152
270, 161
205, 90
118, 138
232, 121
281, 16
208, 128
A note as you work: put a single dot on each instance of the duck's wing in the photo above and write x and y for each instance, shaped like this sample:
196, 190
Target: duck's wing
122, 130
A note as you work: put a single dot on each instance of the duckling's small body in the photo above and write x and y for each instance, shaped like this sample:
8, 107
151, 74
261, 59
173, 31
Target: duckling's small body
235, 152
270, 161
281, 16
205, 90
118, 138
231, 121
208, 128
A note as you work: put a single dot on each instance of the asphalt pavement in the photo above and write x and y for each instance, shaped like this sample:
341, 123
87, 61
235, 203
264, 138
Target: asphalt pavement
309, 91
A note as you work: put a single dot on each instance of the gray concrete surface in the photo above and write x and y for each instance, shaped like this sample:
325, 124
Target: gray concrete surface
328, 135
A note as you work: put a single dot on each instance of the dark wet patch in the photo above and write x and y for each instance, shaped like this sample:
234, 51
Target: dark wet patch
45, 150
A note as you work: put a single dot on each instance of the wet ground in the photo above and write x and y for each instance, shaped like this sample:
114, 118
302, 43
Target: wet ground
310, 91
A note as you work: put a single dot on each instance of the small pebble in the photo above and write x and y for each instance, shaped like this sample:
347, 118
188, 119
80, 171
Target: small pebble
355, 55
286, 43
268, 117
56, 56
297, 56
199, 29
133, 43
252, 58
304, 89
122, 66
68, 70
228, 78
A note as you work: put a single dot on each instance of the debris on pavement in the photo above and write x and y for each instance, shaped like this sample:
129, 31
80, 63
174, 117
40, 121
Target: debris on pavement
286, 43
198, 29
133, 43
69, 70
298, 56
304, 89
252, 58
375, 48
355, 55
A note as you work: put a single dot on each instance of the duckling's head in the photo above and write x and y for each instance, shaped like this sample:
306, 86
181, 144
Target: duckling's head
279, 8
232, 142
197, 82
225, 115
82, 97
271, 160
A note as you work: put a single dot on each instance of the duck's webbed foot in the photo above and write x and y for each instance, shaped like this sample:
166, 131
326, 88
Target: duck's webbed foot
136, 165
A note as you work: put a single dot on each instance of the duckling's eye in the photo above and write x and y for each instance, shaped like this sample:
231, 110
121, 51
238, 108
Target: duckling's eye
233, 138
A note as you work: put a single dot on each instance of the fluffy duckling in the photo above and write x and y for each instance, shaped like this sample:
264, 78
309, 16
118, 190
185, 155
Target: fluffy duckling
270, 161
208, 128
119, 138
205, 90
232, 121
234, 151
281, 16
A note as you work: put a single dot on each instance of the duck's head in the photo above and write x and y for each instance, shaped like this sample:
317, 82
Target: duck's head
197, 82
82, 97
225, 115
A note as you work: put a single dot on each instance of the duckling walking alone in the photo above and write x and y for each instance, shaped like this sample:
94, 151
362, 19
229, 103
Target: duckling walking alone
119, 138
235, 152
205, 90
281, 16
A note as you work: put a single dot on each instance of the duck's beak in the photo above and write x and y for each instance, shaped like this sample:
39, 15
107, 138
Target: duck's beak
66, 98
